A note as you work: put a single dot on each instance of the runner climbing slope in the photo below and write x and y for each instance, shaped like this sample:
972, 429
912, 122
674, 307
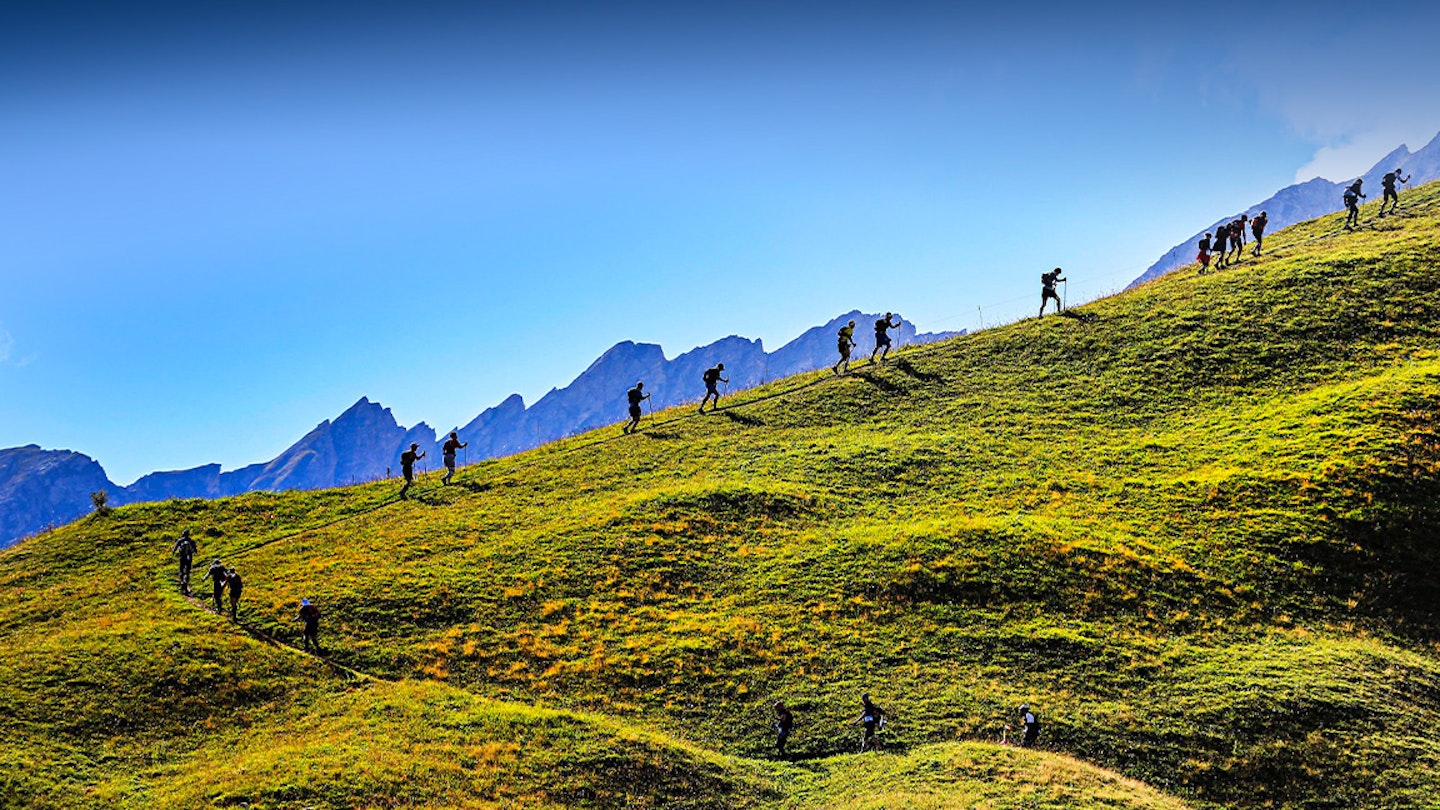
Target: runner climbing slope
712, 379
1352, 197
844, 342
1391, 195
1047, 290
882, 336
1257, 229
407, 467
634, 397
451, 445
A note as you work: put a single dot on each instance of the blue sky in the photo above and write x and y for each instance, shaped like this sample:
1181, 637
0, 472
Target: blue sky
221, 223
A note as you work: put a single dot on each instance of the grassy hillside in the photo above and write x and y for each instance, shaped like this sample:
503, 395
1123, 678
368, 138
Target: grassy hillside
1192, 525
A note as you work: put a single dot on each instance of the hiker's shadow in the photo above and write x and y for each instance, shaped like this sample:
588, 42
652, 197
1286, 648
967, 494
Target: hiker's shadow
882, 383
662, 435
475, 486
924, 376
743, 419
1076, 315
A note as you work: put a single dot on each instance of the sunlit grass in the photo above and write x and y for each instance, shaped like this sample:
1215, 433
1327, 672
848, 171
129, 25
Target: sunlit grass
1193, 525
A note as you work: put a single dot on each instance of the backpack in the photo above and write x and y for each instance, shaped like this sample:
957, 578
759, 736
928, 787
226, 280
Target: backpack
711, 375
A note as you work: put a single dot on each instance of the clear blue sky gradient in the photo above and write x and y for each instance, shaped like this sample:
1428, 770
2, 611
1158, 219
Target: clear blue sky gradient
221, 223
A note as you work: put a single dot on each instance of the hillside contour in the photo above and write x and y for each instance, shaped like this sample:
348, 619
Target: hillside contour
1193, 525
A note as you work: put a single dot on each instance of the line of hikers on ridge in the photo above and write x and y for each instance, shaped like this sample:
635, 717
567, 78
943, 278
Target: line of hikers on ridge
226, 580
844, 344
1226, 243
1230, 238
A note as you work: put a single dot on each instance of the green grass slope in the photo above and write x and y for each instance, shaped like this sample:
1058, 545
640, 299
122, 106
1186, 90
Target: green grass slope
1193, 525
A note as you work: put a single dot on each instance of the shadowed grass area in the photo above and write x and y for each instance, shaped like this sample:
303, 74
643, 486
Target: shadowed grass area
1195, 528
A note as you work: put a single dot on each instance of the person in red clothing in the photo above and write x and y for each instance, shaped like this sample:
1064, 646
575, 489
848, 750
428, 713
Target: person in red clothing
1203, 257
1257, 229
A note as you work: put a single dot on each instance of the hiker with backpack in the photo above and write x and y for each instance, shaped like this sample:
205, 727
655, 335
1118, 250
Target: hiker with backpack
1390, 195
1032, 727
882, 336
872, 717
1203, 257
407, 467
216, 573
1353, 195
712, 379
844, 342
1237, 239
185, 549
1047, 290
448, 452
1221, 244
635, 396
234, 584
784, 723
1257, 229
310, 615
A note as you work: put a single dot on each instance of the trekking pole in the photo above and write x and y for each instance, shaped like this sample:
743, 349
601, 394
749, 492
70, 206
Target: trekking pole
651, 406
1064, 292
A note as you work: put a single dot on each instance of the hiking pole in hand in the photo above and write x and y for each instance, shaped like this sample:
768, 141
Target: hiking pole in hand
1064, 292
651, 406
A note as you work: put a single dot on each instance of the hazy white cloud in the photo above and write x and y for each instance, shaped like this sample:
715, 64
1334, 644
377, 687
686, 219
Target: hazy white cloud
1356, 155
1357, 87
7, 345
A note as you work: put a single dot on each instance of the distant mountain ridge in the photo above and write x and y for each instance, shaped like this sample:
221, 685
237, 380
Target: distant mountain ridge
1310, 199
41, 488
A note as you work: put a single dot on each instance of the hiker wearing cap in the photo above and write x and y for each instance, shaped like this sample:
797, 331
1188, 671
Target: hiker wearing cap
448, 451
882, 336
234, 584
784, 722
1243, 222
1032, 727
1257, 229
407, 467
216, 573
1047, 290
712, 378
185, 549
634, 397
844, 341
1390, 195
1203, 257
1353, 195
872, 717
310, 615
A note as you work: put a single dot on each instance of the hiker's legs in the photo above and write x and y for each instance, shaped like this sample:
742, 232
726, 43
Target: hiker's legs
218, 588
234, 605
